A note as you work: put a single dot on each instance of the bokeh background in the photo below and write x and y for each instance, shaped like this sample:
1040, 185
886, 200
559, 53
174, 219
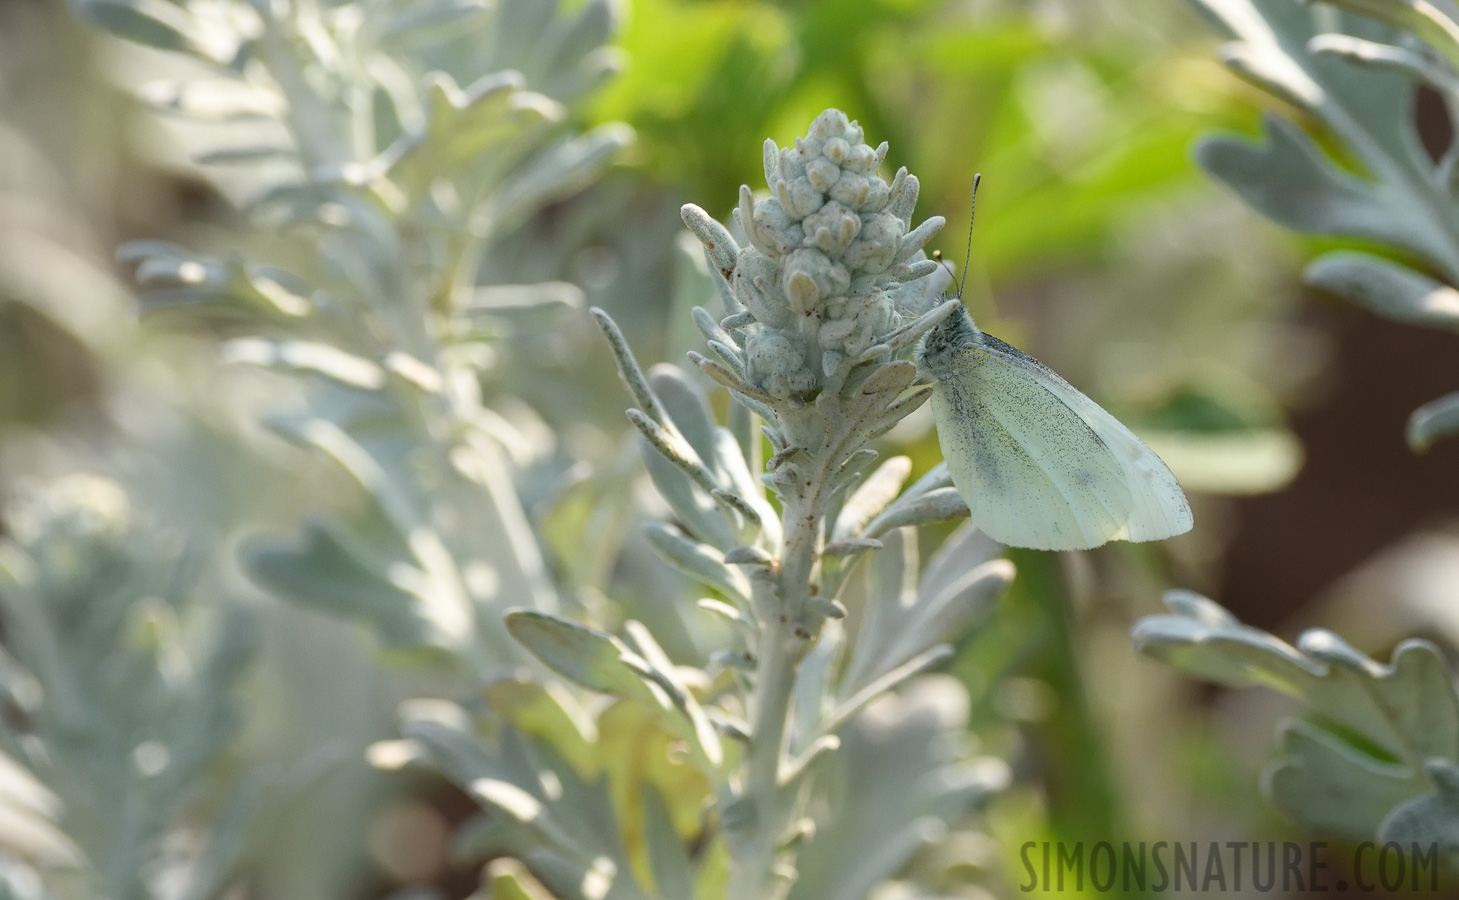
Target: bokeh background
1099, 247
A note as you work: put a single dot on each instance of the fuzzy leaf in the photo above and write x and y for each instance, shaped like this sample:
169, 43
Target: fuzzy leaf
150, 22
1373, 730
601, 662
307, 356
1328, 786
673, 871
871, 497
1432, 421
1431, 818
461, 124
325, 571
555, 174
1288, 178
590, 658
1386, 288
903, 618
894, 779
699, 561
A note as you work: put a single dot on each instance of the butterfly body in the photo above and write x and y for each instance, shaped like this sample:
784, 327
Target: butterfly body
1038, 463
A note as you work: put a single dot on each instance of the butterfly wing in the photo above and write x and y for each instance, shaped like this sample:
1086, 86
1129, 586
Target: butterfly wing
1040, 464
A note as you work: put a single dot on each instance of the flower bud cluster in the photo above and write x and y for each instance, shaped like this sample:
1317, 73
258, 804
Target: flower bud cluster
827, 249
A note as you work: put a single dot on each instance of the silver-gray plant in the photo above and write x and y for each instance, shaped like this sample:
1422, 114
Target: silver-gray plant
409, 144
1378, 753
822, 309
118, 681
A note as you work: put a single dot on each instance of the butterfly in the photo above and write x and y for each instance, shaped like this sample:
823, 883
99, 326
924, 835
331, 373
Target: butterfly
1038, 463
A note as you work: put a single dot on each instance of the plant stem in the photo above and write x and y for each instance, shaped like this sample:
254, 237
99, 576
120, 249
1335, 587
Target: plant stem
751, 867
780, 648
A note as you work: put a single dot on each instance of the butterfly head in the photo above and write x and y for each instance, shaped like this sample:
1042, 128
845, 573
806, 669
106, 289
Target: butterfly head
947, 338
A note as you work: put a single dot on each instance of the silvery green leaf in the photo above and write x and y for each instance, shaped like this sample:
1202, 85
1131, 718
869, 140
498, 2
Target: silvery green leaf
1268, 67
1386, 288
712, 330
19, 881
720, 249
663, 671
1326, 784
896, 782
903, 617
699, 561
151, 22
590, 658
31, 812
218, 99
1432, 421
1288, 179
307, 356
871, 497
912, 241
432, 14
673, 871
232, 831
554, 174
686, 483
173, 276
460, 125
686, 406
517, 299
544, 711
550, 48
603, 663
573, 39
699, 515
393, 496
1369, 109
815, 685
1372, 730
1386, 56
628, 367
1425, 20
937, 505
571, 832
1202, 638
591, 71
245, 155
851, 547
323, 570
210, 724
1432, 818
746, 488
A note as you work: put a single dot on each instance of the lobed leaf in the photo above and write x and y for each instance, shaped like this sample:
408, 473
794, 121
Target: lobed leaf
1372, 734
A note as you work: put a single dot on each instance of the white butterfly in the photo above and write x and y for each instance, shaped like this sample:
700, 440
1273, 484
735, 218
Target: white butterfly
1038, 463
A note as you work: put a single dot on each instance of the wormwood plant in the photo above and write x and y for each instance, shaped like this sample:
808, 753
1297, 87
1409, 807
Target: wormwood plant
379, 151
119, 688
408, 142
810, 757
1378, 753
822, 307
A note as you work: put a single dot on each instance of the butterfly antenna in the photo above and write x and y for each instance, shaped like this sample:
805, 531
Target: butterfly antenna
968, 253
